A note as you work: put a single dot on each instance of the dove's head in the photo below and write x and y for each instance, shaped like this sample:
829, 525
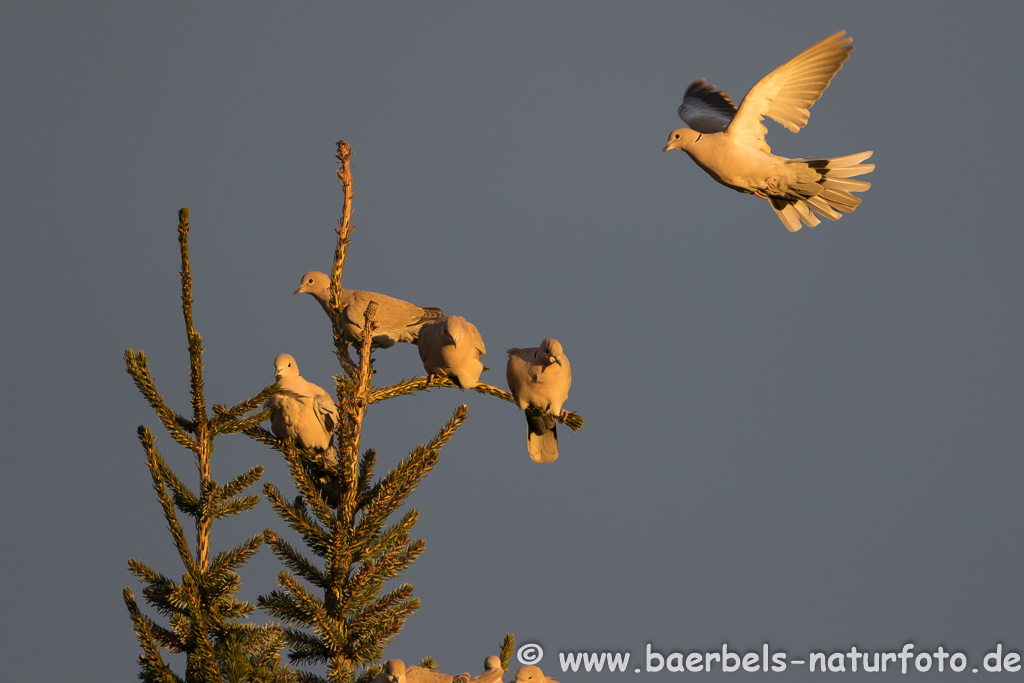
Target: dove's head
681, 138
530, 674
285, 366
492, 662
316, 283
394, 669
551, 351
453, 329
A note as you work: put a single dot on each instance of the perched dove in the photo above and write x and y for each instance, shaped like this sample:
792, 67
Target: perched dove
493, 672
539, 379
532, 674
395, 671
729, 143
452, 346
302, 410
397, 320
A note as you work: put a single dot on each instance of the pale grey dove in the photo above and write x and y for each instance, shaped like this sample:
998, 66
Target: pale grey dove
493, 672
302, 410
728, 143
532, 674
395, 671
539, 379
397, 320
452, 346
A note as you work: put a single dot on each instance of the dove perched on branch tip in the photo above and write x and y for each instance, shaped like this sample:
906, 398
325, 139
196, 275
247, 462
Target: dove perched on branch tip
395, 671
539, 379
452, 346
397, 320
728, 143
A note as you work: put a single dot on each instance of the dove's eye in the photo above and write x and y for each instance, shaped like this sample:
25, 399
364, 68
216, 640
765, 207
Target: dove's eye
698, 137
677, 136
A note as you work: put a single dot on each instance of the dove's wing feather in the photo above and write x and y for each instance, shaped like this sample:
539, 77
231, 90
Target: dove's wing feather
475, 338
787, 93
705, 108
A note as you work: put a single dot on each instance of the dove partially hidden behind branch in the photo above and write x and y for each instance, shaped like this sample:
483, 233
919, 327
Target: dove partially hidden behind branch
452, 346
303, 411
395, 671
539, 379
493, 672
397, 320
728, 143
532, 674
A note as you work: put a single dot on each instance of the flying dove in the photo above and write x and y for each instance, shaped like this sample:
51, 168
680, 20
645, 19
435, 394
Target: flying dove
728, 143
452, 346
397, 320
493, 672
539, 379
532, 674
302, 410
395, 671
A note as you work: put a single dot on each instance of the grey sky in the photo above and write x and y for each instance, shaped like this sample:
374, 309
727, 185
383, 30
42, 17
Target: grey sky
811, 440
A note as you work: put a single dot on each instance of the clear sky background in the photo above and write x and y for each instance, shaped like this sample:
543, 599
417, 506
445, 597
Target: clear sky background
812, 440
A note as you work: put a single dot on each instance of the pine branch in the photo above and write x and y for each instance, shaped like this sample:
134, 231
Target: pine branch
264, 436
306, 648
227, 420
184, 499
234, 558
366, 582
240, 483
366, 469
294, 560
449, 429
195, 342
407, 387
297, 517
235, 506
154, 669
244, 425
508, 646
345, 227
156, 467
310, 677
137, 367
382, 611
392, 491
372, 542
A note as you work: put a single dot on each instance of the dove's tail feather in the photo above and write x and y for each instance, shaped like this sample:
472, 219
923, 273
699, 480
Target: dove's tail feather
823, 187
541, 437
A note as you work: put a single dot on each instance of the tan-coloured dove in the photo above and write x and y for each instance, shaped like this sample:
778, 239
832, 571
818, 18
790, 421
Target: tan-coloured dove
302, 410
728, 143
539, 379
532, 674
493, 672
452, 346
395, 671
397, 320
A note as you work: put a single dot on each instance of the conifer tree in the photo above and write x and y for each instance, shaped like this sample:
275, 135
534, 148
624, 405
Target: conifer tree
204, 615
333, 604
